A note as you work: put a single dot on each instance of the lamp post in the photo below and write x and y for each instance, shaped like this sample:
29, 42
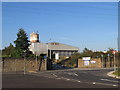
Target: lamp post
114, 63
114, 52
108, 59
45, 58
49, 46
50, 51
24, 62
102, 60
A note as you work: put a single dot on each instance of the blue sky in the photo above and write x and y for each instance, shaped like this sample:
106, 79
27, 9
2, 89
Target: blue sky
91, 24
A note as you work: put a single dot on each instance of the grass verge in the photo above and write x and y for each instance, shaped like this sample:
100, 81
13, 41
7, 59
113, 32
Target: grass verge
117, 73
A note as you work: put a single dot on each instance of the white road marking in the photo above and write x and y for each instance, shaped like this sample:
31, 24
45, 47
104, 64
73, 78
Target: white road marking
114, 85
97, 83
55, 75
58, 78
94, 83
109, 80
73, 74
68, 79
76, 74
105, 84
75, 80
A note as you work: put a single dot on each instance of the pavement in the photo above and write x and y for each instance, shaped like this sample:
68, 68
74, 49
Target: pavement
110, 74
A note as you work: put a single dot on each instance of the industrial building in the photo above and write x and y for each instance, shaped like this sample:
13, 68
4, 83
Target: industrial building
59, 50
52, 50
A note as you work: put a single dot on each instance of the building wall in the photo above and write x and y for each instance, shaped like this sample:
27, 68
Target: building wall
63, 53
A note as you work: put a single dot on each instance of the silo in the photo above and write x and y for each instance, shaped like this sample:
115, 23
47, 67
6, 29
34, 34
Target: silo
34, 37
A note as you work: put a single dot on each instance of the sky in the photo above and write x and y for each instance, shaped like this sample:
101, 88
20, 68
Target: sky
93, 25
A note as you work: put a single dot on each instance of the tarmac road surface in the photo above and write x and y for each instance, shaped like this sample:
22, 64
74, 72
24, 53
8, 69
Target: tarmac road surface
88, 78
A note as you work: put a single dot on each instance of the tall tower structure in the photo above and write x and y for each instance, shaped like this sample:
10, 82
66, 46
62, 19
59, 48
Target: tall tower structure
34, 37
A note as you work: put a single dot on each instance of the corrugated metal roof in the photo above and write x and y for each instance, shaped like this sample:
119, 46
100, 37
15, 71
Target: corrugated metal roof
60, 46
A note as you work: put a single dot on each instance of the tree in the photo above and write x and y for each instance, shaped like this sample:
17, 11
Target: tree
87, 52
8, 51
21, 43
97, 54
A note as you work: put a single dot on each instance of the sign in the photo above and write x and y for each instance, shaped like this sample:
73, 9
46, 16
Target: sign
114, 52
104, 51
93, 62
86, 63
45, 57
86, 58
57, 56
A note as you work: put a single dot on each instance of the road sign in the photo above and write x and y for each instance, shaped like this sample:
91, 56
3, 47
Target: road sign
56, 56
86, 58
86, 63
114, 52
93, 62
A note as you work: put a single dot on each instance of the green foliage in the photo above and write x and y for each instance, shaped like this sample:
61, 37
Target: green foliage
96, 54
117, 73
70, 62
21, 43
86, 53
8, 51
16, 53
75, 56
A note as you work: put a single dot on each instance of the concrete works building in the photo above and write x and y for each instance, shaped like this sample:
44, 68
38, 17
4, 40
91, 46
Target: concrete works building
52, 50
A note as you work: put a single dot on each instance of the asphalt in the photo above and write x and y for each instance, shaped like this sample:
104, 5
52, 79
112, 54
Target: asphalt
79, 78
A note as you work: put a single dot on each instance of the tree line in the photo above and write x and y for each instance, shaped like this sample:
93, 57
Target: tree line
94, 54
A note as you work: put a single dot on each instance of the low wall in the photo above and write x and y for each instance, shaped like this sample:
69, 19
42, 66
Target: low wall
97, 64
19, 64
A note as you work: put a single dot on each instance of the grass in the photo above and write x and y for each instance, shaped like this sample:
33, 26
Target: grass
117, 73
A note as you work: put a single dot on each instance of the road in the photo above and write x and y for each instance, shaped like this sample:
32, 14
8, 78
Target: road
74, 78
